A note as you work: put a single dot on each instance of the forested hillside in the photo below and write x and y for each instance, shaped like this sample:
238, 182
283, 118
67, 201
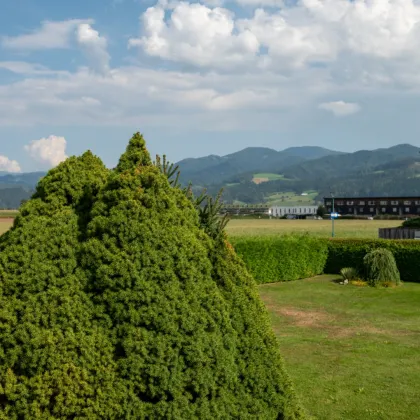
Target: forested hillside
382, 172
17, 187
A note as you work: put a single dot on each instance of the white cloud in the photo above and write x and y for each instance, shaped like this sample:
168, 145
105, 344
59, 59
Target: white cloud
21, 67
48, 151
51, 35
306, 32
340, 108
288, 59
196, 34
7, 165
94, 46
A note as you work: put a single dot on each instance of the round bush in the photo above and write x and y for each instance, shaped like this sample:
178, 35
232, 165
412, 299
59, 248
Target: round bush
412, 223
381, 267
116, 303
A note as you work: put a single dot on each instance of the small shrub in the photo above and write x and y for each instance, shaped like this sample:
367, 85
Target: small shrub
381, 267
350, 253
412, 223
349, 273
359, 283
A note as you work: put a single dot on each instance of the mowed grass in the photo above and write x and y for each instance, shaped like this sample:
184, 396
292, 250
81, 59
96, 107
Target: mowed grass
352, 352
321, 228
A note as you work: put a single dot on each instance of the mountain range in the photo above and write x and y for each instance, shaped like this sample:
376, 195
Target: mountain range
380, 172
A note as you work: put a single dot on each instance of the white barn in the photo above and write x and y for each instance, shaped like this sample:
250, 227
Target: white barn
279, 211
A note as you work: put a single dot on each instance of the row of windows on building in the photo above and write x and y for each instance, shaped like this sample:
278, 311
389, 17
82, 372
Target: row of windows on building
280, 211
373, 209
373, 203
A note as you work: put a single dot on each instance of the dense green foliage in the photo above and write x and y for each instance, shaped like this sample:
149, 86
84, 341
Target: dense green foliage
282, 258
117, 300
292, 257
380, 267
412, 223
351, 252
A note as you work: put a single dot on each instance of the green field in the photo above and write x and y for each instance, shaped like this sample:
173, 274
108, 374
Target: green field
292, 199
8, 213
269, 176
352, 352
321, 228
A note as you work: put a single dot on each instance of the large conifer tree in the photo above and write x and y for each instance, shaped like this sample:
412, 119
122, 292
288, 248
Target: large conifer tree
116, 302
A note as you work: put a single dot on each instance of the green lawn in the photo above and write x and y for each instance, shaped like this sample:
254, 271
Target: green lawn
321, 228
352, 352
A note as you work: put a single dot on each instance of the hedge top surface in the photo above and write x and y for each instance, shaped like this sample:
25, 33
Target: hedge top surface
115, 303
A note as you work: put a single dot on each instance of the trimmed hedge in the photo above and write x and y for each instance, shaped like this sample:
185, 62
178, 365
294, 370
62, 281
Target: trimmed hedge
291, 257
350, 253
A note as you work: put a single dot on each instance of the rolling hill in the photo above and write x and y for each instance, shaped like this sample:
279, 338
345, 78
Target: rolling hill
17, 187
286, 173
381, 172
240, 166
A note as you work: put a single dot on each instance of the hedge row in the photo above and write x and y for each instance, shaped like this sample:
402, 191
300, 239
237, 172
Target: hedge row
272, 259
350, 253
284, 258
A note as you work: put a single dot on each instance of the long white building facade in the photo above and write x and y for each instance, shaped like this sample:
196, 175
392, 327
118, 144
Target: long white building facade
279, 211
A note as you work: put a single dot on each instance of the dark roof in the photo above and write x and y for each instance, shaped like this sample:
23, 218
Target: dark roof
413, 197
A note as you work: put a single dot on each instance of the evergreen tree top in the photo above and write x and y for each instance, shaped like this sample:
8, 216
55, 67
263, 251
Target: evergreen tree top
135, 155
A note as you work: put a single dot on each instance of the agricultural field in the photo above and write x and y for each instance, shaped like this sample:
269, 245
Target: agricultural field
5, 225
6, 214
265, 177
320, 228
6, 219
352, 352
292, 199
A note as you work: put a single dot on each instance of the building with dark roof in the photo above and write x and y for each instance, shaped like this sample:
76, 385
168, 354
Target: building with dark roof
372, 206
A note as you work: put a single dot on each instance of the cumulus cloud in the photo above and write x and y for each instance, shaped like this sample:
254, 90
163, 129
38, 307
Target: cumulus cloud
296, 34
340, 108
94, 46
48, 151
289, 56
50, 35
195, 34
7, 165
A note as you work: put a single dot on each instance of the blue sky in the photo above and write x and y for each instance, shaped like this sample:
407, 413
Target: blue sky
205, 78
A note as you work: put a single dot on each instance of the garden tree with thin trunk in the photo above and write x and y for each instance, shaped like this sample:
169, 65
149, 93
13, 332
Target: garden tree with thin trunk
119, 299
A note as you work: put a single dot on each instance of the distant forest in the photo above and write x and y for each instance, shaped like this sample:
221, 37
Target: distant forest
394, 171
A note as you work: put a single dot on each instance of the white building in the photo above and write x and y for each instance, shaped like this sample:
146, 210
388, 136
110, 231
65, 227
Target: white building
279, 211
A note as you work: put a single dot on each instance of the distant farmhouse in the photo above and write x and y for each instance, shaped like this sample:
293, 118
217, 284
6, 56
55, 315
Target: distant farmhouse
372, 206
296, 211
